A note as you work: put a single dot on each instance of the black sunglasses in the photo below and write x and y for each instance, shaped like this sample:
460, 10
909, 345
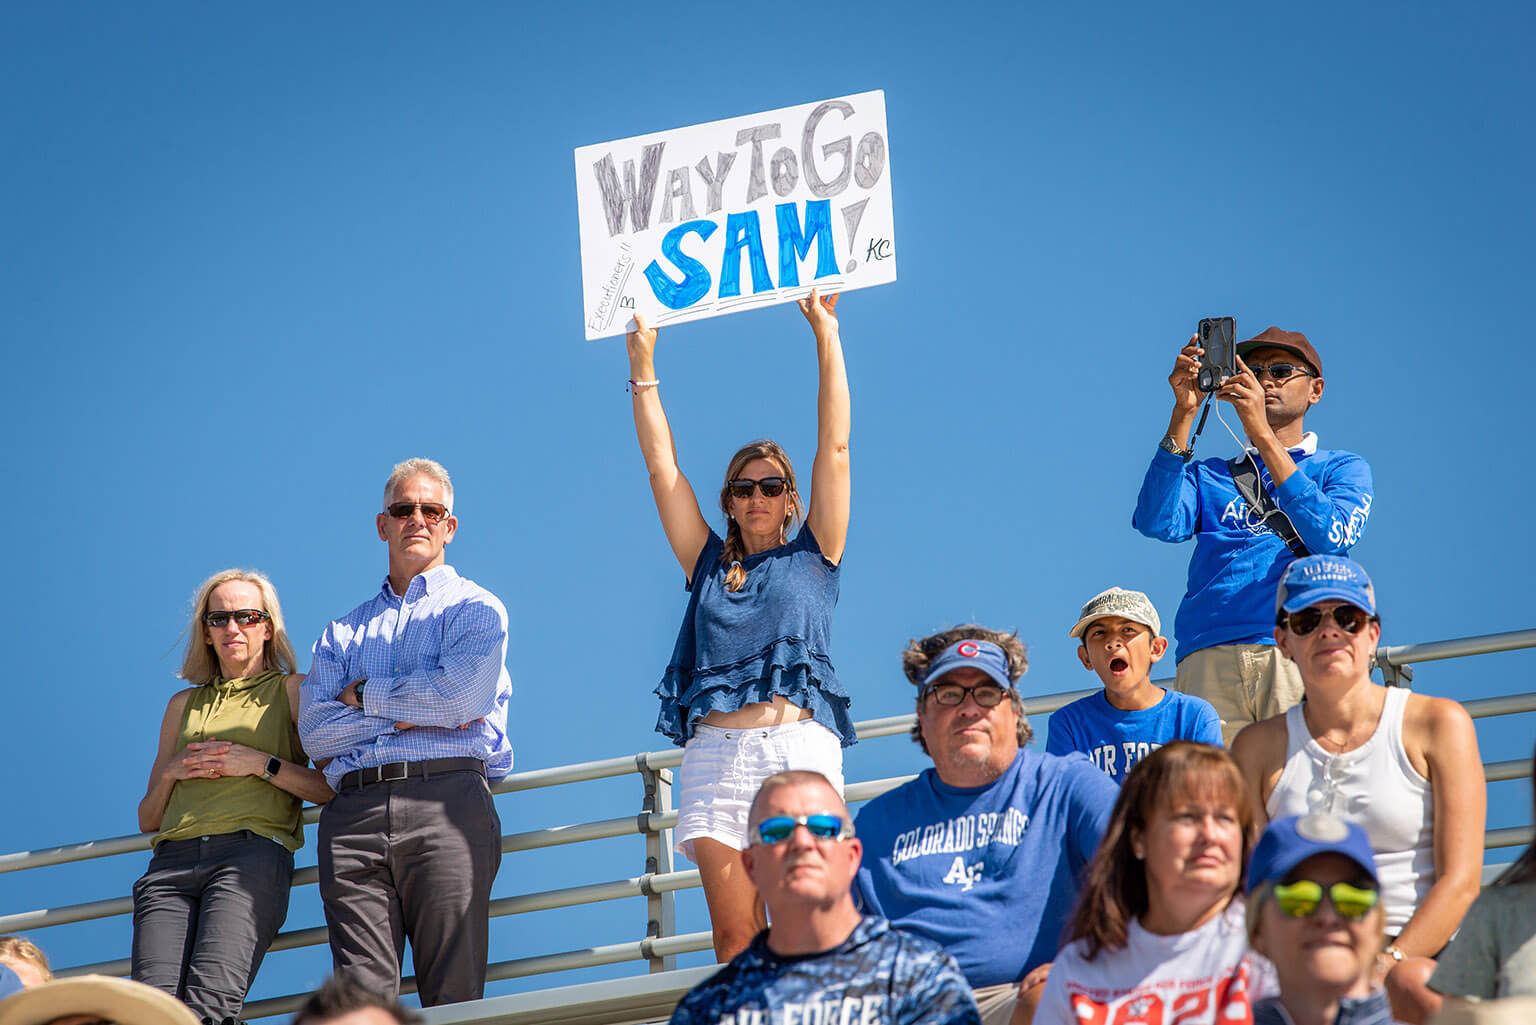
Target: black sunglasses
245, 617
987, 695
1304, 621
1280, 371
771, 487
432, 512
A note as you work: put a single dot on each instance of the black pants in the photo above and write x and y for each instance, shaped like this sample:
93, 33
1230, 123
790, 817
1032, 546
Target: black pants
204, 915
411, 859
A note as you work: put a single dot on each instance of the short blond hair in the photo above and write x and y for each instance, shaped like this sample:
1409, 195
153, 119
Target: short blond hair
19, 948
431, 468
200, 665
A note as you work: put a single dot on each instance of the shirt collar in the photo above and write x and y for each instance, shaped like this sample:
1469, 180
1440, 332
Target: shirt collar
430, 582
1306, 447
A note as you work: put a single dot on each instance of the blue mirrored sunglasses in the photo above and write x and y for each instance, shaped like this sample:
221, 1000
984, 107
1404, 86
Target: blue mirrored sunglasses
823, 827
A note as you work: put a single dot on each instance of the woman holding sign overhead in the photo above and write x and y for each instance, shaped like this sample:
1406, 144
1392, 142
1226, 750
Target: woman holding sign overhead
750, 689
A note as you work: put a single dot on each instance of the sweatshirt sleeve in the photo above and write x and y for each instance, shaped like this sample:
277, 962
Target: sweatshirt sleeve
1167, 509
1329, 514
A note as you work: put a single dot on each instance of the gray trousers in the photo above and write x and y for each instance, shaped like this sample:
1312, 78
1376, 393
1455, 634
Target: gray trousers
412, 859
204, 915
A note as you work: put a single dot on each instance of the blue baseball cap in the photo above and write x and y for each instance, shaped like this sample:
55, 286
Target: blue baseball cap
1288, 842
1319, 578
971, 654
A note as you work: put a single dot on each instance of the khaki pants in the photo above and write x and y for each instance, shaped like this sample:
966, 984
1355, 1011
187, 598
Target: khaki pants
1245, 683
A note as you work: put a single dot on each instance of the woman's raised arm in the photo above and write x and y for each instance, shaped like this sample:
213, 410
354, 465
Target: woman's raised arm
830, 477
681, 519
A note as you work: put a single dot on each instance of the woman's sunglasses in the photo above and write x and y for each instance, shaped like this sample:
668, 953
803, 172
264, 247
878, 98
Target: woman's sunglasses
1303, 622
771, 487
245, 617
823, 827
1304, 897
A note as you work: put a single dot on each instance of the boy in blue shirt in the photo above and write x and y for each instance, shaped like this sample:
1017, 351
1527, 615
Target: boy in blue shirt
1132, 716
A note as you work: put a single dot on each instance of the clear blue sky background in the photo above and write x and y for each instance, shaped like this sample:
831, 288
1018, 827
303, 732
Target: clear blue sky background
255, 254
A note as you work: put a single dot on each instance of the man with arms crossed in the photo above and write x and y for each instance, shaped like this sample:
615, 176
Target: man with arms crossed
407, 697
819, 960
1317, 498
983, 853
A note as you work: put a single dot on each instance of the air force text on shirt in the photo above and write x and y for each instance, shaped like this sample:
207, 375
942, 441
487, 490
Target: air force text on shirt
865, 1010
960, 834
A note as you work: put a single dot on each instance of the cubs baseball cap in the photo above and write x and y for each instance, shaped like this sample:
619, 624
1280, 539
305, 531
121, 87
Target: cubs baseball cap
973, 654
1287, 842
1320, 578
1291, 341
1117, 601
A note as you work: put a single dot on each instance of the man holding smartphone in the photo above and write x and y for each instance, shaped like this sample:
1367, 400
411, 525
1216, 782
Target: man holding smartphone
1250, 518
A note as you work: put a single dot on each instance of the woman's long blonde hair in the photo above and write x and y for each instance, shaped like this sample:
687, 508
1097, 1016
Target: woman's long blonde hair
200, 665
734, 549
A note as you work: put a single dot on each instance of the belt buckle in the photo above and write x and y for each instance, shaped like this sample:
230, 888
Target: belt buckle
385, 777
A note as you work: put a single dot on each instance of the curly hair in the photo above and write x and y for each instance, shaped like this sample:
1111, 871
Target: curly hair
920, 653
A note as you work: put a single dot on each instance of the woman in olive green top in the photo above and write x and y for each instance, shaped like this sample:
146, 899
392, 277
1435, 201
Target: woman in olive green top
223, 799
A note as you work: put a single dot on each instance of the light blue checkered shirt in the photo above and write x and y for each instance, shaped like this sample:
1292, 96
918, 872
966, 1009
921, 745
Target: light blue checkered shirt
435, 658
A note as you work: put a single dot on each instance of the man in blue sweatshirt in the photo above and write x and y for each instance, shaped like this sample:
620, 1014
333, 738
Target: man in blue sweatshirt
1310, 501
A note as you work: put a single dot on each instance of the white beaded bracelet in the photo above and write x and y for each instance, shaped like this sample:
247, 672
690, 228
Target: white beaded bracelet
635, 386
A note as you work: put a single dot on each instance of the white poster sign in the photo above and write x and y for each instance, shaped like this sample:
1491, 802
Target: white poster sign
736, 214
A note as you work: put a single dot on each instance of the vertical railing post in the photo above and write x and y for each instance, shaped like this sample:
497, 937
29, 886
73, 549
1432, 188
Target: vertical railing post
1391, 674
661, 908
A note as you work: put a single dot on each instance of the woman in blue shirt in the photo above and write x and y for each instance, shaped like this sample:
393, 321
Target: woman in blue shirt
750, 689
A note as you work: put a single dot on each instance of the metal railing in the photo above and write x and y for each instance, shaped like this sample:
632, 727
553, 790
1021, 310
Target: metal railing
660, 880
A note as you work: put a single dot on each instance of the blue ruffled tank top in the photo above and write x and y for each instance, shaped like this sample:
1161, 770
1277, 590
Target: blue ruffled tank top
770, 638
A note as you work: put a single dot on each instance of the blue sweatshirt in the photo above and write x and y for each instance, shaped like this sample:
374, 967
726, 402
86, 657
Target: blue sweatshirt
1238, 560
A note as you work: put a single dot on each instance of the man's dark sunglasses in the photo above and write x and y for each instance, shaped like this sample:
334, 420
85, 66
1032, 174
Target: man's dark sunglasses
245, 617
1280, 371
430, 511
1303, 622
987, 695
771, 487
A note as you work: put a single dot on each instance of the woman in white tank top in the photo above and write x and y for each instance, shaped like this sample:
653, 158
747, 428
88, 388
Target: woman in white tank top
1403, 766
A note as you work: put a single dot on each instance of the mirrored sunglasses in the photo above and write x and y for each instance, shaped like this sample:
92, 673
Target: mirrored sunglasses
987, 695
432, 512
824, 826
771, 487
1348, 618
1304, 897
245, 617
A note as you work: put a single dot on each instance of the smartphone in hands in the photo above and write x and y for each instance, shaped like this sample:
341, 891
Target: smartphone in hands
1218, 337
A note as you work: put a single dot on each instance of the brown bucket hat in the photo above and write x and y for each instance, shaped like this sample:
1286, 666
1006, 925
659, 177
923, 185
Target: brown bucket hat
1290, 341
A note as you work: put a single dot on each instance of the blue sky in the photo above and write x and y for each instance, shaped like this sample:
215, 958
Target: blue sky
256, 254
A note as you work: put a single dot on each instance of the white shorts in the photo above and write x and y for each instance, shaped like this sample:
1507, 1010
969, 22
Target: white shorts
722, 770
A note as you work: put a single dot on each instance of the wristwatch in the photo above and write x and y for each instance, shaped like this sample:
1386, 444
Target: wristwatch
359, 691
274, 766
1171, 445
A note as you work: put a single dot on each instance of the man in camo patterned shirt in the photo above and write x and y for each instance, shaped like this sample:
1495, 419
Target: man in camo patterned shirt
821, 962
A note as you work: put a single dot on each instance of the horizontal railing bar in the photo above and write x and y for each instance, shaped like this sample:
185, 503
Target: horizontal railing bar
540, 964
1402, 654
855, 792
1512, 836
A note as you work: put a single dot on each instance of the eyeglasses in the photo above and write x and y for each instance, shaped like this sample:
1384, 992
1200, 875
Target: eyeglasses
1303, 897
430, 511
771, 487
1347, 617
1280, 372
823, 827
245, 617
951, 694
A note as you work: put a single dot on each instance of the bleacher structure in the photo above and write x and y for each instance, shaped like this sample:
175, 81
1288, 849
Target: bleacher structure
651, 996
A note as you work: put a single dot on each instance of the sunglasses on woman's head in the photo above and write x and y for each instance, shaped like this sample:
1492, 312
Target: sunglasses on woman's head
245, 617
1303, 622
1304, 897
824, 826
430, 511
771, 487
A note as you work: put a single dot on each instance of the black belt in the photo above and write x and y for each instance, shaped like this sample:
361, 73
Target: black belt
394, 772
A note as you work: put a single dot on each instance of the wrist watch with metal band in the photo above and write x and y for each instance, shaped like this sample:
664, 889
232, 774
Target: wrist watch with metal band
274, 766
1171, 444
